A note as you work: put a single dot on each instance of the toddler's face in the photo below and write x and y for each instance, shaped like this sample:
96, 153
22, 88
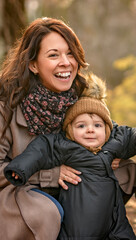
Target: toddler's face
89, 130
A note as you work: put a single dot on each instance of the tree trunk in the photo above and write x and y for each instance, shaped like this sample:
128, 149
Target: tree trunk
13, 20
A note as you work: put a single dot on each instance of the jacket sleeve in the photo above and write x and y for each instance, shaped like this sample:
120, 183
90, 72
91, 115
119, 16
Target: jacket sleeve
44, 152
122, 143
130, 146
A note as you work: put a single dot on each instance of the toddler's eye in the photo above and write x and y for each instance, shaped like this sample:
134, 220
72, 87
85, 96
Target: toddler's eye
81, 126
97, 125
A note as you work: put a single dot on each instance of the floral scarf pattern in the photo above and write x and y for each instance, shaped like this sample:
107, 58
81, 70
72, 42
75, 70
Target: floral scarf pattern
44, 110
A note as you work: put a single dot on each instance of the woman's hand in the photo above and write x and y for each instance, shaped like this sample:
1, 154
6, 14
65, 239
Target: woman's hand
115, 163
68, 174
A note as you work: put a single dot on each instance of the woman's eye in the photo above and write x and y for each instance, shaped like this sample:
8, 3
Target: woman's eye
53, 55
70, 53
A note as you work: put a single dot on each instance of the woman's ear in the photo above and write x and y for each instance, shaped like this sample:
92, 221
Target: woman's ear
32, 66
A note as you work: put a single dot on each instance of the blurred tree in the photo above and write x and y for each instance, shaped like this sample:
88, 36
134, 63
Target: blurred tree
122, 100
13, 20
50, 8
107, 31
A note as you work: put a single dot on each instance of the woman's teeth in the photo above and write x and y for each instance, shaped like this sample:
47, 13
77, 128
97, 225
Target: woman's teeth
63, 75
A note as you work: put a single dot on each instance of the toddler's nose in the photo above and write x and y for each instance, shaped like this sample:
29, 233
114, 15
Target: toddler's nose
90, 129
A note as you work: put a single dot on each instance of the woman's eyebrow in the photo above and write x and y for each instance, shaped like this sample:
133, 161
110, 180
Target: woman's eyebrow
52, 50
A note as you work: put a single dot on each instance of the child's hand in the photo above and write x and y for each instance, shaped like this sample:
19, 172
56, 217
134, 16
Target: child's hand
115, 163
14, 175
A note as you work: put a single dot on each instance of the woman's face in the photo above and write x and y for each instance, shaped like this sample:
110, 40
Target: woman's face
55, 64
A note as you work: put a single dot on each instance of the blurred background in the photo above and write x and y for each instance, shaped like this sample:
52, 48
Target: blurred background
107, 31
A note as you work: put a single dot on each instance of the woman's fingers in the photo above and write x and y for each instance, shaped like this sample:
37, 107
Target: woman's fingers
115, 163
68, 174
62, 184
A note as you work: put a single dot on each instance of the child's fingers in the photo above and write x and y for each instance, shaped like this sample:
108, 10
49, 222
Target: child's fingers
14, 175
115, 163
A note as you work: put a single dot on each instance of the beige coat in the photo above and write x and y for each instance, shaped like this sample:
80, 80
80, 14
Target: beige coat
25, 214
16, 140
126, 175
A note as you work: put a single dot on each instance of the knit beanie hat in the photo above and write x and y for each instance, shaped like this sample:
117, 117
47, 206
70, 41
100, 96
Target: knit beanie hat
91, 101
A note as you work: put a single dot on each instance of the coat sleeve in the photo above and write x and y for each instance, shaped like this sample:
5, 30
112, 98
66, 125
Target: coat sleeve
44, 152
122, 143
5, 143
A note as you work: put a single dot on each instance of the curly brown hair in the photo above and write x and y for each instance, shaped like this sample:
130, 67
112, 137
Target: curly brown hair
16, 79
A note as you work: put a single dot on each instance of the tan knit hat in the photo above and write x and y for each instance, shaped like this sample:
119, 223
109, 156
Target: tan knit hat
91, 101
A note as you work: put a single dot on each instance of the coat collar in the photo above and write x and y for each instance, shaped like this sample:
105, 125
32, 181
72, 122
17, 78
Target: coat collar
20, 118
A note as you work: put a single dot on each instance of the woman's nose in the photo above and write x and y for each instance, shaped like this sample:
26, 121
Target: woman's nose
64, 61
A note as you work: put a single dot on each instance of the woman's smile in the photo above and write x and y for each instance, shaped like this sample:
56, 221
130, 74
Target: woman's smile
63, 76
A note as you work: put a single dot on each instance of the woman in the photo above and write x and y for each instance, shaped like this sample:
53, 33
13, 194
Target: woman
40, 79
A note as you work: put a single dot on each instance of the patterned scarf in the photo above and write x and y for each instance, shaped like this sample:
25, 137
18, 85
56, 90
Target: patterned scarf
44, 110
